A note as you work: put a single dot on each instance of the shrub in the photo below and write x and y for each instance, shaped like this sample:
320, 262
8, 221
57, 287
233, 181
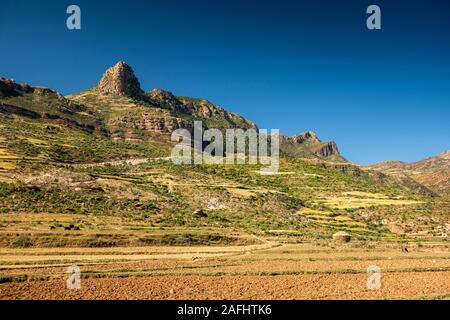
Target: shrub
19, 278
5, 189
22, 242
60, 153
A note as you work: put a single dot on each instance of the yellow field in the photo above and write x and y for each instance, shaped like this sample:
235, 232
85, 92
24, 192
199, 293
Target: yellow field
356, 199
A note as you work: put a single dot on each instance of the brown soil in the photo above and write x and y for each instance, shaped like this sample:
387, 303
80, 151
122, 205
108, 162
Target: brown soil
252, 272
331, 286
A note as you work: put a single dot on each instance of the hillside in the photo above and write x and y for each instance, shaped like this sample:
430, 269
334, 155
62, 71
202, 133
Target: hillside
97, 160
433, 172
43, 103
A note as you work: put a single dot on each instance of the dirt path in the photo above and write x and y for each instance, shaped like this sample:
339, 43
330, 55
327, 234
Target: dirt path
131, 161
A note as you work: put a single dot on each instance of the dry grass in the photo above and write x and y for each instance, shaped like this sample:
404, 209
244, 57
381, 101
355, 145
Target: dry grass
346, 202
7, 165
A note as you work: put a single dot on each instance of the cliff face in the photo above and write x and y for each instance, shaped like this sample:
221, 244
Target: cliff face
134, 115
218, 116
328, 149
166, 100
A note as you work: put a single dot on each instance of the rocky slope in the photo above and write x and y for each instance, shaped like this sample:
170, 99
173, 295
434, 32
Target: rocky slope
23, 100
433, 172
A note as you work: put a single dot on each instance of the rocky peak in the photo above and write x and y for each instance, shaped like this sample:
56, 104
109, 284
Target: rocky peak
120, 80
308, 136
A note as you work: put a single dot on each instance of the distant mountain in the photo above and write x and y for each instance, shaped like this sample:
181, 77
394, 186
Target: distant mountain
433, 172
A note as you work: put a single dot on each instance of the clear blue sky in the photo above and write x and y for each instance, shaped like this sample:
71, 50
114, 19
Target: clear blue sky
292, 65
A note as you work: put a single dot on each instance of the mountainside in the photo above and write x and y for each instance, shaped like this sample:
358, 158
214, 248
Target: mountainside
118, 109
137, 116
104, 153
38, 125
433, 172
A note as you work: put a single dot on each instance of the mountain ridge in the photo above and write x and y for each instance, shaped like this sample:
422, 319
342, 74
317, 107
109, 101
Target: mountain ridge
432, 172
120, 81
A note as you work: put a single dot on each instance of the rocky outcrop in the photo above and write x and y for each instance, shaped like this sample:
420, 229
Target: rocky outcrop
308, 136
308, 145
9, 88
8, 109
120, 80
203, 108
166, 100
198, 108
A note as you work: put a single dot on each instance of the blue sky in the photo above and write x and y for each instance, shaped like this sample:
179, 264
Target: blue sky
291, 65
